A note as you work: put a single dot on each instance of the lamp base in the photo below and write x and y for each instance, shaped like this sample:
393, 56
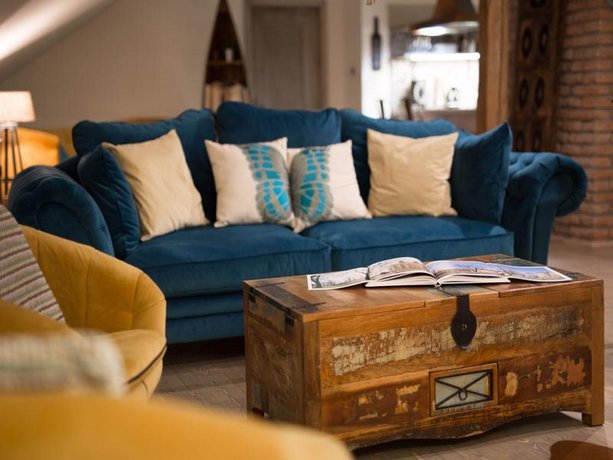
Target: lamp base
11, 162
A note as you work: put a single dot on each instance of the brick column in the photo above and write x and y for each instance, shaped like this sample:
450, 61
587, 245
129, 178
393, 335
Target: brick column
585, 114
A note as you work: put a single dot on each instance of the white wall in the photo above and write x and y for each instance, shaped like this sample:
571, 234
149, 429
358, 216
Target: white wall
376, 84
141, 58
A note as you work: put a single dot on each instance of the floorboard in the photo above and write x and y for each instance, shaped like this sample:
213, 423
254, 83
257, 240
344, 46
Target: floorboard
212, 374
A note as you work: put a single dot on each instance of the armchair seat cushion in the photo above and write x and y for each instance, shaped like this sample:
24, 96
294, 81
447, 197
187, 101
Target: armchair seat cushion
361, 242
207, 260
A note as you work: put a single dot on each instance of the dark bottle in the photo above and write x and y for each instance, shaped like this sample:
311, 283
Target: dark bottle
375, 43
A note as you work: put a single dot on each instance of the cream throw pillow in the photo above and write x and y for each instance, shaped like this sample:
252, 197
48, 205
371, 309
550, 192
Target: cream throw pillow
67, 363
410, 176
163, 188
252, 182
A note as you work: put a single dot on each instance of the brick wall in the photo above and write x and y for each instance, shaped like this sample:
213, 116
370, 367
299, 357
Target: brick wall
585, 114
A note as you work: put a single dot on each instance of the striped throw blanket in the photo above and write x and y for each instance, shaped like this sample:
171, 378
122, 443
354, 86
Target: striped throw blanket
21, 281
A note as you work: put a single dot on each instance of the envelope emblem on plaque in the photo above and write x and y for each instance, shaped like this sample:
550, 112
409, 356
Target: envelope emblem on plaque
468, 390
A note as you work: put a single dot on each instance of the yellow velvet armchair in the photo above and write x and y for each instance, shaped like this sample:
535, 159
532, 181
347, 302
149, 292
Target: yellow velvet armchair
66, 427
96, 291
99, 292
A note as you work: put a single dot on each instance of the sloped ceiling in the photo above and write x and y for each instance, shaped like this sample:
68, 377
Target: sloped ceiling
28, 27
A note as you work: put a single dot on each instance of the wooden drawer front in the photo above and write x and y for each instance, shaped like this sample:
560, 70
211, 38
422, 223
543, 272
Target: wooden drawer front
463, 389
376, 404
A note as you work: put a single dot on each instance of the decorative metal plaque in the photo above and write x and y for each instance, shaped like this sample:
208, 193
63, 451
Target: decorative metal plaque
463, 389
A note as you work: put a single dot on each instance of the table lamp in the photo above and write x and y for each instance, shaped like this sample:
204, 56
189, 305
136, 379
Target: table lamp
15, 107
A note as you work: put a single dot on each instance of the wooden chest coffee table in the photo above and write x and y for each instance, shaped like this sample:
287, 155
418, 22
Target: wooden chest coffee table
372, 365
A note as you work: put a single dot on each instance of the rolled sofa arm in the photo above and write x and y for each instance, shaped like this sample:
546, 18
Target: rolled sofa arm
541, 187
47, 198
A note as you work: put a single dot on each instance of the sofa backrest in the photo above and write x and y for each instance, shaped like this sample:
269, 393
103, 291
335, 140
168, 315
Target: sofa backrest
243, 124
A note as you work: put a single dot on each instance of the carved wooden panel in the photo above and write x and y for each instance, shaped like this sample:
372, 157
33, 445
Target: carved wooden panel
533, 103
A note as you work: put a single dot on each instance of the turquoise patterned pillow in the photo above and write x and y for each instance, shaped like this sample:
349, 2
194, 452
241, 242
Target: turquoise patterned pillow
251, 182
324, 185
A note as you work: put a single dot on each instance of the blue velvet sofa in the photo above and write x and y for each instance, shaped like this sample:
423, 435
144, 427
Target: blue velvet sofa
506, 203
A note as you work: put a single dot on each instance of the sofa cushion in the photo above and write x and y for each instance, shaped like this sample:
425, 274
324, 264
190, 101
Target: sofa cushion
362, 242
206, 327
480, 173
355, 125
211, 304
243, 123
193, 127
207, 260
102, 177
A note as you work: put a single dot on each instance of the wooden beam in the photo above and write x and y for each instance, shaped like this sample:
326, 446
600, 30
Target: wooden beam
493, 103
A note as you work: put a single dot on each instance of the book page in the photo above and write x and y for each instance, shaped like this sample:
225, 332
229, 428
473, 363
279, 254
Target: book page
337, 280
395, 268
412, 280
454, 271
538, 274
445, 270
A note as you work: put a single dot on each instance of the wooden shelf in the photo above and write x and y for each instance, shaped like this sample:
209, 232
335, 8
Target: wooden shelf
225, 38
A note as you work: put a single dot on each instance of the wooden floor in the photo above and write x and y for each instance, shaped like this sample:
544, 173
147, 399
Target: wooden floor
212, 374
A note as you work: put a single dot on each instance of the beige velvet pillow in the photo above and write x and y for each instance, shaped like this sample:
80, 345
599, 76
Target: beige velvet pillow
163, 188
410, 176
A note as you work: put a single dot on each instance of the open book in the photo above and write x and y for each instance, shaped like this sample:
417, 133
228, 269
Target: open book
409, 271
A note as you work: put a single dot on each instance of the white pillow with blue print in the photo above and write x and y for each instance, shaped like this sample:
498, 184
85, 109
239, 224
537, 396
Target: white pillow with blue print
252, 183
324, 185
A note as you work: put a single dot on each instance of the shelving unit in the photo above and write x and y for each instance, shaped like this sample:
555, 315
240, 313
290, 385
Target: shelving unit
441, 57
225, 70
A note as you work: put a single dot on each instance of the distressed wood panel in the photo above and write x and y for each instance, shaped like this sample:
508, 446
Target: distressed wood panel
594, 414
457, 425
274, 373
381, 404
543, 375
312, 376
400, 343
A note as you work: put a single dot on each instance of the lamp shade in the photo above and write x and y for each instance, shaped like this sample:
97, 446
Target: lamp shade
16, 106
450, 17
